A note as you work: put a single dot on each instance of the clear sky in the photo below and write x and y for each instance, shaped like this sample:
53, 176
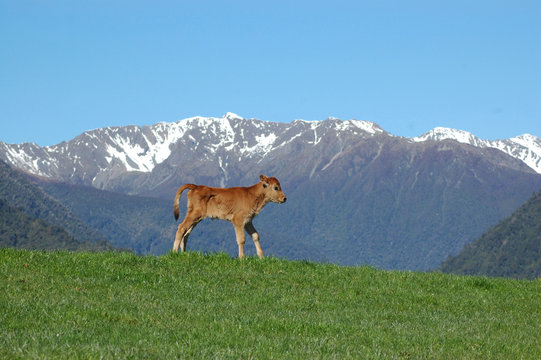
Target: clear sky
70, 66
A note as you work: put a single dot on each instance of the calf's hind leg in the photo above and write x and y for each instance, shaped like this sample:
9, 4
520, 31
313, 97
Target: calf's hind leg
183, 231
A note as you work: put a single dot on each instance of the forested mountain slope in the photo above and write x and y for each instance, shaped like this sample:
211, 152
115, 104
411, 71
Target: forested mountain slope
512, 248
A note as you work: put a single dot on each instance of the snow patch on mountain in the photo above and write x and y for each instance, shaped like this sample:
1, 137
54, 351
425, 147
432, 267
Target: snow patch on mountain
28, 157
264, 144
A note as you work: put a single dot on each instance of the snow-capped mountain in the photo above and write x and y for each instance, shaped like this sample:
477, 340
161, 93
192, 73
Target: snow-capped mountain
526, 148
141, 159
102, 153
98, 155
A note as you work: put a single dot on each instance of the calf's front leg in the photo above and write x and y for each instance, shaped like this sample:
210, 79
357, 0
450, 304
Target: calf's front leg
255, 237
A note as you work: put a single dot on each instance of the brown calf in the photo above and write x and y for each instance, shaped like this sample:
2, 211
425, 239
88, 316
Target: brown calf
237, 204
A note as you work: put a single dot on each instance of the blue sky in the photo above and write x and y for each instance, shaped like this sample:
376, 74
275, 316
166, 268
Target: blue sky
69, 66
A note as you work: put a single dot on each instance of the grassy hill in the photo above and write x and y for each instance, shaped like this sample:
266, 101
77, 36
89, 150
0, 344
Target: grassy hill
119, 305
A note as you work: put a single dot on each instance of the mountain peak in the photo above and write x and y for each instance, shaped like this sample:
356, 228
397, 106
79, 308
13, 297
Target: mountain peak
530, 141
232, 116
444, 133
343, 125
367, 126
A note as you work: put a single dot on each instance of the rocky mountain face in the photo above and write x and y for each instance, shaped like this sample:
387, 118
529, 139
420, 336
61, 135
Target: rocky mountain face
356, 194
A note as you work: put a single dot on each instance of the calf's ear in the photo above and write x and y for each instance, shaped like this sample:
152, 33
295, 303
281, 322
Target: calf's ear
263, 178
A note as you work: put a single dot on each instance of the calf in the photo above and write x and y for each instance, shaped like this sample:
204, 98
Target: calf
237, 204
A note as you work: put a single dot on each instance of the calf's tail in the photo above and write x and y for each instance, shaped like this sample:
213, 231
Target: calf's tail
177, 197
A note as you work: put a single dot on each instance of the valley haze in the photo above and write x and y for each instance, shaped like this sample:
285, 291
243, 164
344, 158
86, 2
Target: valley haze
358, 194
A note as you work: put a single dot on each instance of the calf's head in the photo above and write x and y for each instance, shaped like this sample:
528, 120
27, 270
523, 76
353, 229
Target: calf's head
272, 189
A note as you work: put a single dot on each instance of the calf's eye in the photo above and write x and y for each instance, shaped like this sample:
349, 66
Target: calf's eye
276, 188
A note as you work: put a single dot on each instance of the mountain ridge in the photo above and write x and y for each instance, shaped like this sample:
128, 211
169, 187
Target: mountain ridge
135, 149
525, 147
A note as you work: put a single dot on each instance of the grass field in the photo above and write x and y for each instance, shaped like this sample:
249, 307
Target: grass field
119, 305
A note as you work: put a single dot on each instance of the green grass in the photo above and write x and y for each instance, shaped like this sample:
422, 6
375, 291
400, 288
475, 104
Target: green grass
119, 305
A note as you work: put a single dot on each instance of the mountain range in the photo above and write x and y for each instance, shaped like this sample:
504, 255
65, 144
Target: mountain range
356, 193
